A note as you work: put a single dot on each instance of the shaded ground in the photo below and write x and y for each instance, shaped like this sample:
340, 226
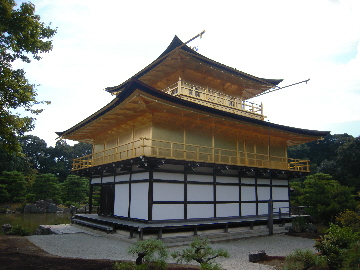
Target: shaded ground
278, 261
17, 252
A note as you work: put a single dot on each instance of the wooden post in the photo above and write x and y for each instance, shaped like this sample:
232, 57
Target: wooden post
195, 230
271, 217
226, 230
91, 197
150, 194
179, 86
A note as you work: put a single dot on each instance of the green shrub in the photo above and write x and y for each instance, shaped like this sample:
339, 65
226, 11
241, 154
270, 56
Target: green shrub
4, 194
57, 200
335, 243
152, 253
304, 259
31, 198
301, 224
325, 197
18, 230
69, 203
352, 258
350, 219
201, 252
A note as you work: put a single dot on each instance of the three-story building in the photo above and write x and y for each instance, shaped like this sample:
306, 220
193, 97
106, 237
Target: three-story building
181, 141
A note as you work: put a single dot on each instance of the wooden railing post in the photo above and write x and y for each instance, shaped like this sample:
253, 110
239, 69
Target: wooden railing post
171, 149
271, 217
143, 146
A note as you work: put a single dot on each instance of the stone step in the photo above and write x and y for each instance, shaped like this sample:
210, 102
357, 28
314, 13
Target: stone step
102, 227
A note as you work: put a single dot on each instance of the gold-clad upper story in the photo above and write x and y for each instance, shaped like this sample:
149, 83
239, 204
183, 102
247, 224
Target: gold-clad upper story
213, 84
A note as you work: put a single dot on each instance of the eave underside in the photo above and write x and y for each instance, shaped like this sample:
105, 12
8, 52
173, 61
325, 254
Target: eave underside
141, 108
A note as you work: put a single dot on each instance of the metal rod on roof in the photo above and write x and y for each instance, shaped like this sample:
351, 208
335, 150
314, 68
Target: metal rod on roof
198, 35
278, 88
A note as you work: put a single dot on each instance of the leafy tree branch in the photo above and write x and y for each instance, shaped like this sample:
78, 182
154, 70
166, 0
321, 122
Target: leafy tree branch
22, 37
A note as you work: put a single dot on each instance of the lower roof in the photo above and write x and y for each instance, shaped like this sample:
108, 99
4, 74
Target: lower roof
136, 88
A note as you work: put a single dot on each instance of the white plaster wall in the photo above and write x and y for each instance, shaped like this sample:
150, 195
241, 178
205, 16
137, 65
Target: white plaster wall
108, 179
223, 179
248, 193
227, 193
139, 200
168, 211
123, 177
248, 181
227, 210
140, 176
168, 176
280, 193
279, 182
121, 203
199, 178
168, 192
263, 181
284, 205
263, 208
96, 181
200, 210
200, 192
248, 209
263, 193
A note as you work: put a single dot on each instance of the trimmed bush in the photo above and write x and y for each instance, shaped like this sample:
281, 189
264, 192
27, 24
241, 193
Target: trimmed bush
151, 254
201, 252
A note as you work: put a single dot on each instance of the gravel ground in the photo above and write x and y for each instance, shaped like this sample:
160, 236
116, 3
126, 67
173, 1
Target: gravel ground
102, 246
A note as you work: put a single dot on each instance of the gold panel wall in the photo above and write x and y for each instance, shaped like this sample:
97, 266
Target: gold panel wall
188, 141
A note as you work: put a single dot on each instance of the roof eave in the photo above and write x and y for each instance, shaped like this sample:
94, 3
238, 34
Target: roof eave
136, 84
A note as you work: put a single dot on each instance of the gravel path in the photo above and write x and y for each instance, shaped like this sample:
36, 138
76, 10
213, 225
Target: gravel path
102, 246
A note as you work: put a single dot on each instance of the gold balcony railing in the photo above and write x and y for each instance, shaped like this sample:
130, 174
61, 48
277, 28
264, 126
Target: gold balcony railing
189, 152
215, 99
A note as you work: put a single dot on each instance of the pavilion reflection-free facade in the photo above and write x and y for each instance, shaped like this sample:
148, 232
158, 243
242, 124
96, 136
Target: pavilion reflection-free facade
181, 141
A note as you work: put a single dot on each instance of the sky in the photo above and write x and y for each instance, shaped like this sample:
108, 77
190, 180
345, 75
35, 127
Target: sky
101, 44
